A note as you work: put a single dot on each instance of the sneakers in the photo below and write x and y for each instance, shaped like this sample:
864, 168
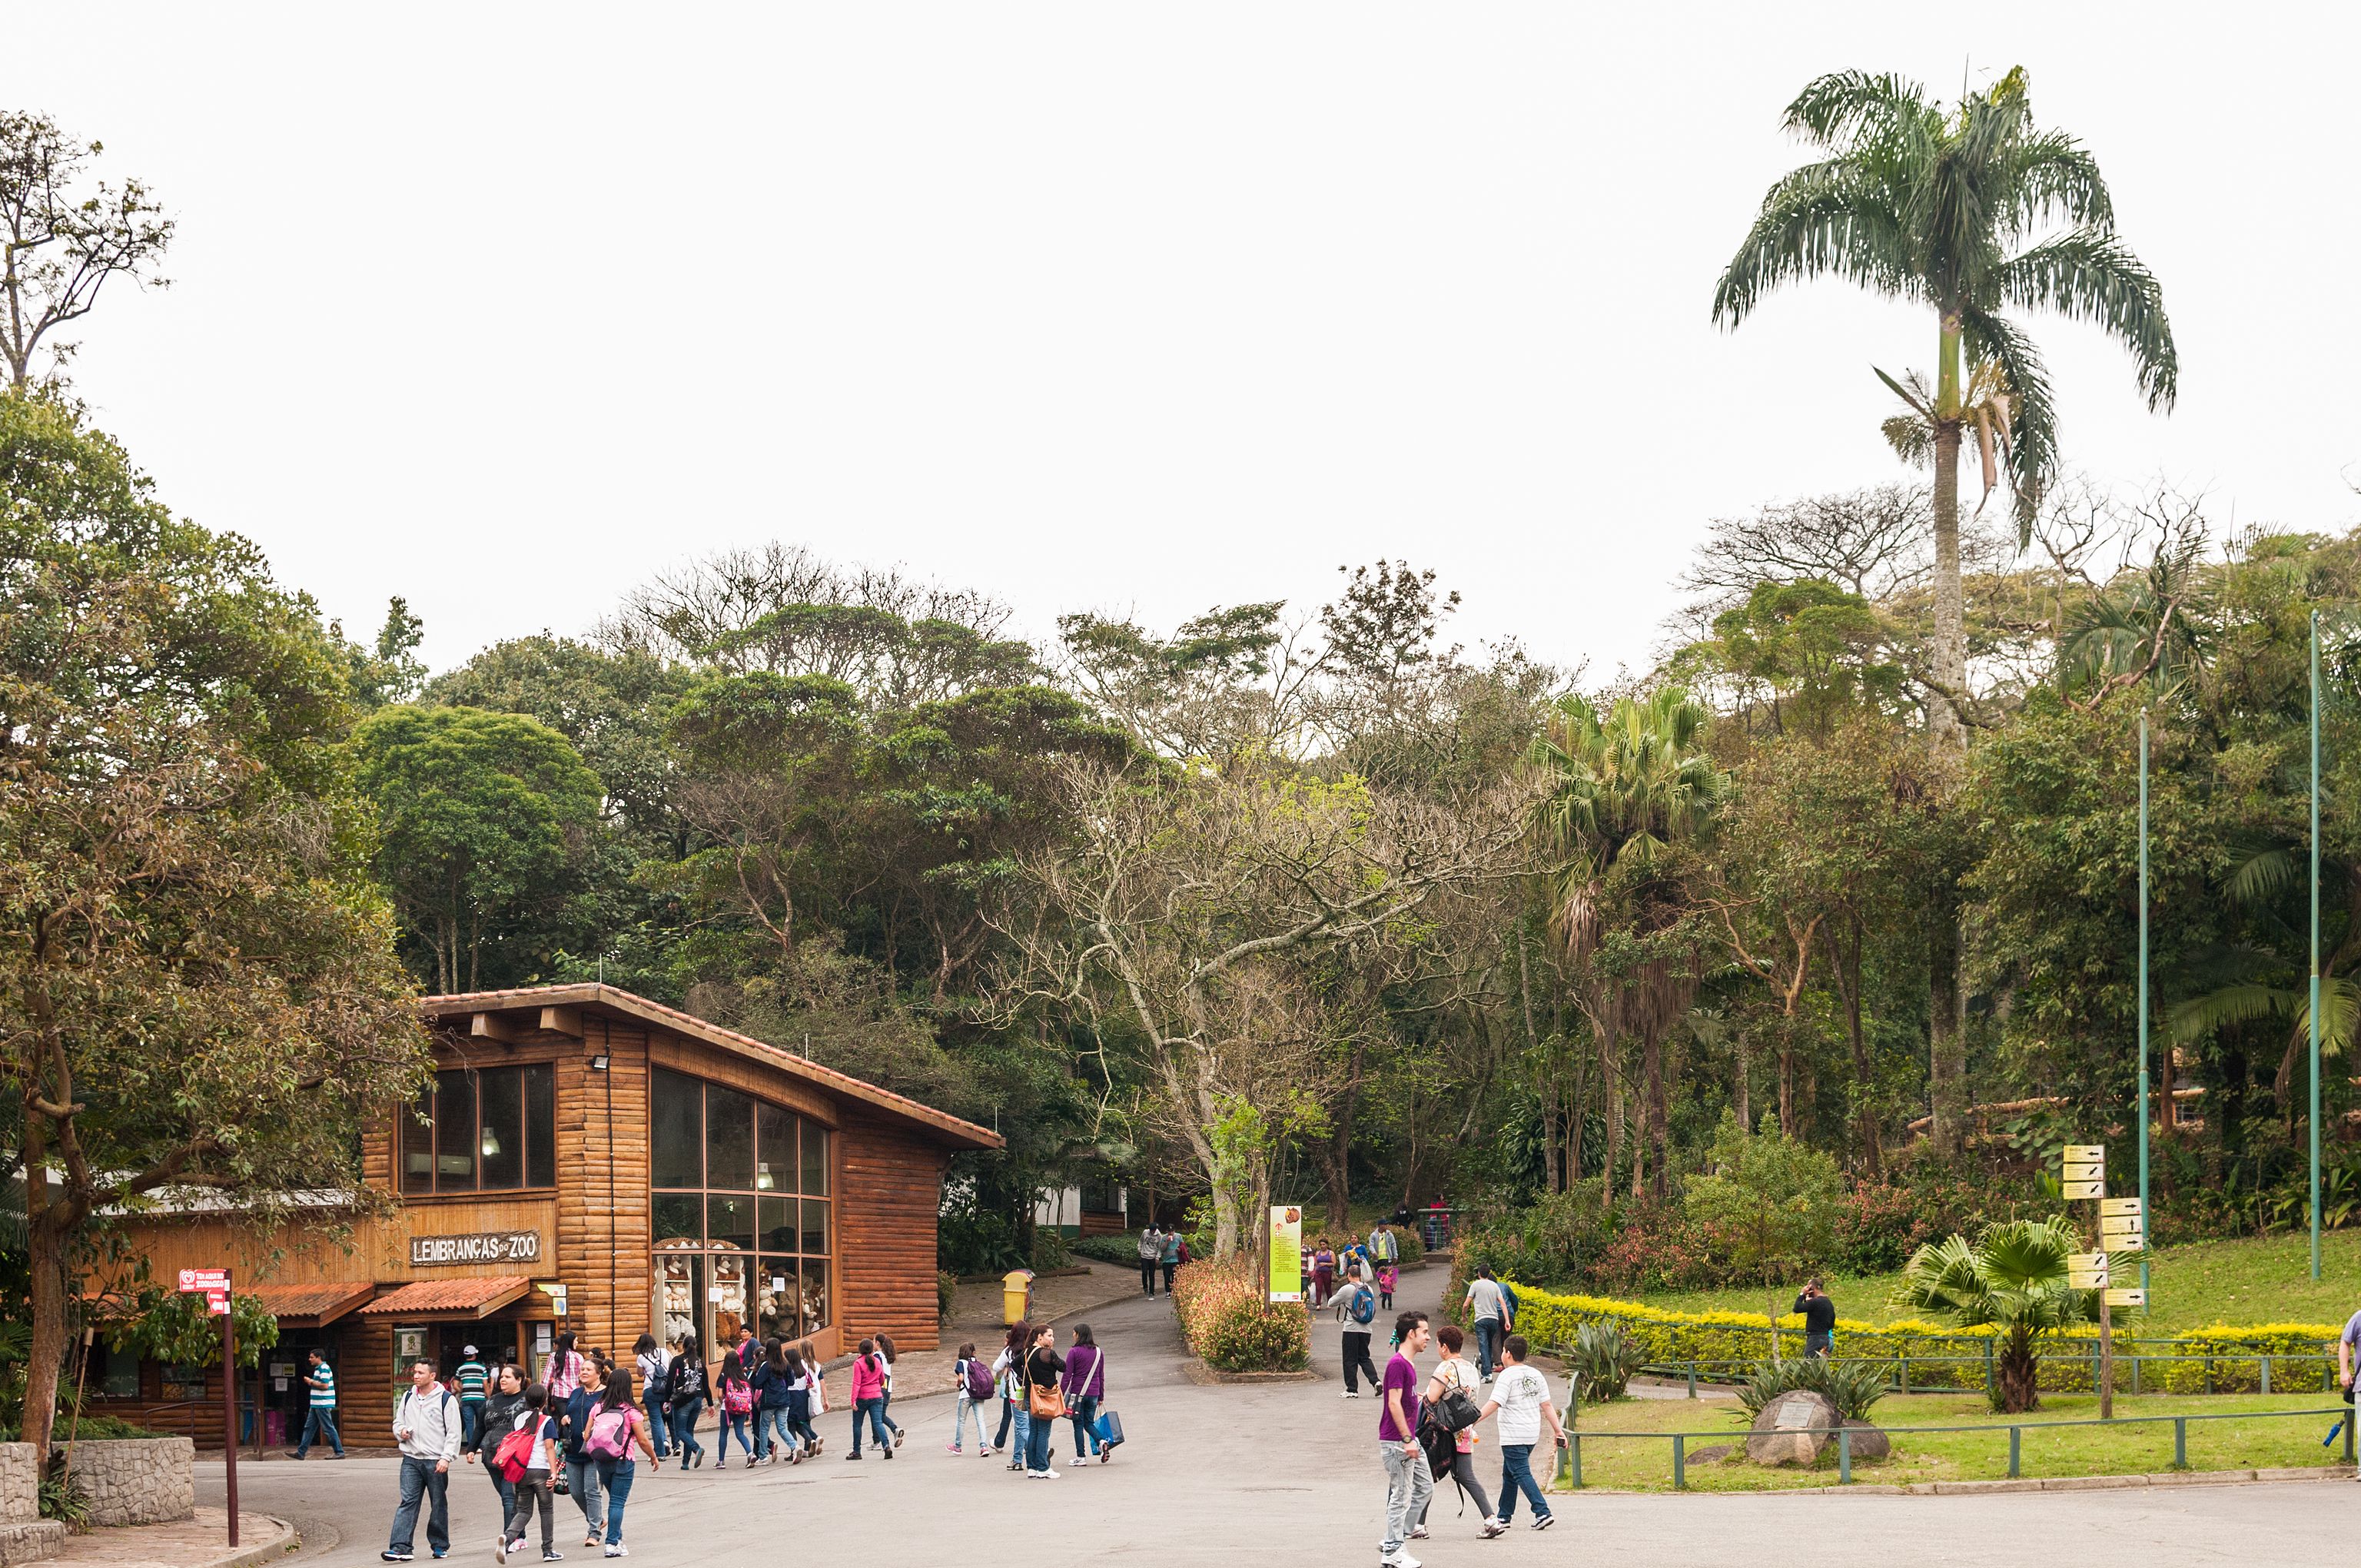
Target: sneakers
953, 1448
889, 1449
854, 1454
899, 1435
391, 1555
1494, 1528
1545, 1522
553, 1555
616, 1549
500, 1549
1398, 1560
1050, 1475
1107, 1456
1352, 1393
294, 1453
1418, 1532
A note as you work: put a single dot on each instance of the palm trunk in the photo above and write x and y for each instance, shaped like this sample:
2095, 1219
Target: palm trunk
1659, 1111
1946, 1046
1614, 1093
1945, 1057
1848, 971
2015, 1378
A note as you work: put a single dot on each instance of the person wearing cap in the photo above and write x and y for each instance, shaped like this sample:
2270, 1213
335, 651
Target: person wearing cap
471, 1376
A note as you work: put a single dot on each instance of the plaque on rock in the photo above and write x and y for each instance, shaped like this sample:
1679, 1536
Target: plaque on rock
1795, 1428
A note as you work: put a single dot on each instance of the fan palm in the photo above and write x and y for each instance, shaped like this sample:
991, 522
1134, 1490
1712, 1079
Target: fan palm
1622, 788
1954, 210
2013, 1277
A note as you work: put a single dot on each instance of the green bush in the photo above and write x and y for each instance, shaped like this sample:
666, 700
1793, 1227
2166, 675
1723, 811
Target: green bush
946, 1296
1232, 1325
1852, 1386
1604, 1358
1051, 1250
1122, 1250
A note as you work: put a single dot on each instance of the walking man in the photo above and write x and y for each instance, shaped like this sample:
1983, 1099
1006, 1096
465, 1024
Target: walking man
426, 1425
1384, 1245
1357, 1309
473, 1377
1151, 1253
1820, 1318
1409, 1483
1489, 1305
1520, 1399
320, 1417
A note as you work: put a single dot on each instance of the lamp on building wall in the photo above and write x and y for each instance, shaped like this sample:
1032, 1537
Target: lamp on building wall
762, 1182
599, 1063
491, 1144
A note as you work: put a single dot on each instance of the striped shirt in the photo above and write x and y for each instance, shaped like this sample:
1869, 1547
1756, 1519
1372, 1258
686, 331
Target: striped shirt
472, 1376
324, 1386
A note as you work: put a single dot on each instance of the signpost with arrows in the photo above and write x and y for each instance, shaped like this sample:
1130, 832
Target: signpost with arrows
213, 1284
2120, 1222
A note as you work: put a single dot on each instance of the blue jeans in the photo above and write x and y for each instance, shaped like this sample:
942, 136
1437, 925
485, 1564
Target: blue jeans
875, 1409
501, 1483
1037, 1435
660, 1430
1024, 1439
684, 1427
319, 1421
582, 1485
960, 1414
615, 1474
885, 1411
1517, 1475
421, 1479
772, 1419
1488, 1345
732, 1423
472, 1423
799, 1418
1008, 1418
1086, 1414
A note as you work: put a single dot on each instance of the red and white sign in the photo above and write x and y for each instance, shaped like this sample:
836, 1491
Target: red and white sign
217, 1303
206, 1280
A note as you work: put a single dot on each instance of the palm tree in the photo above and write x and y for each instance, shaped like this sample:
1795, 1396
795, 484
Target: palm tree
1954, 210
1623, 789
2013, 1278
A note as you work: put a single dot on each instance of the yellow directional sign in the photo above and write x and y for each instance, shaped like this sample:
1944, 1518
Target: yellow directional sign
2075, 1171
2088, 1278
2119, 1226
2084, 1153
2086, 1189
2119, 1206
2126, 1295
2130, 1241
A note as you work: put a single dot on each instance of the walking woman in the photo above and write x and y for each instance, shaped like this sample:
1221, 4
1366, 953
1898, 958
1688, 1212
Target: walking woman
1173, 1248
611, 1442
1085, 1386
973, 1381
500, 1406
581, 1465
869, 1397
1044, 1369
885, 1400
771, 1423
564, 1371
737, 1411
656, 1390
818, 1386
690, 1389
801, 1375
1008, 1373
532, 1488
1455, 1371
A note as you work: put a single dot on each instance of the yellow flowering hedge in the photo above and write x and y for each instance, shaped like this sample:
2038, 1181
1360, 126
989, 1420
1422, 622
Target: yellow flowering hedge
1550, 1317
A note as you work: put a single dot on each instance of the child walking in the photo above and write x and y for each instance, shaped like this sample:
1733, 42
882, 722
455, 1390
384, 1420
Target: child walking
532, 1482
1387, 1277
885, 1400
972, 1378
737, 1411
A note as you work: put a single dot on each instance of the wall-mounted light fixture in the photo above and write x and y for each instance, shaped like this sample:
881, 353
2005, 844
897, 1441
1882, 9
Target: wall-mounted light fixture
598, 1064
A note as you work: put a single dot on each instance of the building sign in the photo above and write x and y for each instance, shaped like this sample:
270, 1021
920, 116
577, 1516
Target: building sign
485, 1246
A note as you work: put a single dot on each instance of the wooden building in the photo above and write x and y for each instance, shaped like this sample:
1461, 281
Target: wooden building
591, 1161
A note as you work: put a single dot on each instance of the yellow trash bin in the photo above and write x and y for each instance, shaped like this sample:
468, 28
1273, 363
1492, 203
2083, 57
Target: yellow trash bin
1017, 1297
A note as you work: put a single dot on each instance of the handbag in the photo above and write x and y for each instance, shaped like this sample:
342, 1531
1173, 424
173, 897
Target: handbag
1045, 1401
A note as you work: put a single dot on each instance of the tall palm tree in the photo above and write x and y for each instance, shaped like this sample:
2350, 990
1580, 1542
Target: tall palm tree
1957, 211
1624, 788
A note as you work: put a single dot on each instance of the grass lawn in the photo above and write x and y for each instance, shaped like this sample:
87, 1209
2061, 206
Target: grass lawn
2263, 1280
1646, 1463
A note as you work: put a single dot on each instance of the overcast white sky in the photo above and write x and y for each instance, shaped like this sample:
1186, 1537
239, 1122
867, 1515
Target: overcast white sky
1114, 306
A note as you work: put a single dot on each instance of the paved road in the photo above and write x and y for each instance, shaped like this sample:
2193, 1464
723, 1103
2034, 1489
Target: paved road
1210, 1473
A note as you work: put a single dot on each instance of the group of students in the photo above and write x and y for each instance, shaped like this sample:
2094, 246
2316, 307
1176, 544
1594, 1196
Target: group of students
1165, 1250
1036, 1386
1426, 1430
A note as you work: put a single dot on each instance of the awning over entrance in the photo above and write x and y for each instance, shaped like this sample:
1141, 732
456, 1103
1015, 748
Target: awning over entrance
313, 1305
448, 1298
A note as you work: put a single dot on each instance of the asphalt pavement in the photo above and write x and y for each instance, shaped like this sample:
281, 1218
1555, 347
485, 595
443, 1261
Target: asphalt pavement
1211, 1473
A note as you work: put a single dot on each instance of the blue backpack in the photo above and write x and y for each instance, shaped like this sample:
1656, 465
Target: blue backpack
1362, 1305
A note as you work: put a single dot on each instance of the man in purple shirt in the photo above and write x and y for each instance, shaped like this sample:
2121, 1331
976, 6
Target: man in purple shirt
1409, 1482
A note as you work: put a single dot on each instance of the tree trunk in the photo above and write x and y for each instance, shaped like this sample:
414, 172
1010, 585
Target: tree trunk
2014, 1377
1848, 970
1652, 1050
1574, 1119
1614, 1126
1787, 1077
1947, 1083
1743, 1085
1950, 653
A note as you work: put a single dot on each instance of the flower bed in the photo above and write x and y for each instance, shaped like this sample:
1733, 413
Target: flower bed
1231, 1326
1549, 1318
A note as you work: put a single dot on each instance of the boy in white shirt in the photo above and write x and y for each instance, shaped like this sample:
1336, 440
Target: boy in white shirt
1521, 1398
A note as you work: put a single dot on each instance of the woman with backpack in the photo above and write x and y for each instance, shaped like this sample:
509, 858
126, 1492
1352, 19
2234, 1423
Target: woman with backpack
655, 1388
774, 1388
869, 1397
581, 1468
802, 1376
688, 1390
885, 1400
505, 1395
1455, 1375
563, 1373
972, 1378
617, 1426
1043, 1369
1008, 1373
737, 1394
1085, 1385
1175, 1253
525, 1453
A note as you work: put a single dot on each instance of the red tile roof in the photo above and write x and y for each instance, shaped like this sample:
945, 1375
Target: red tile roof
316, 1303
947, 1128
444, 1297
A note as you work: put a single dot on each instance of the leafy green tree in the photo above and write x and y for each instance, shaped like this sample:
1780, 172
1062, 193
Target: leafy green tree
483, 816
2012, 1277
198, 984
1769, 1200
63, 237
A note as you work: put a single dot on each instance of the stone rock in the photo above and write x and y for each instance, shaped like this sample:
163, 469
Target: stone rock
1793, 1429
1713, 1455
1867, 1441
34, 1541
21, 1484
136, 1480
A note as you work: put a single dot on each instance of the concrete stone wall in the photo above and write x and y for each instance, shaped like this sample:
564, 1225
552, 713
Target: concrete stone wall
137, 1481
25, 1535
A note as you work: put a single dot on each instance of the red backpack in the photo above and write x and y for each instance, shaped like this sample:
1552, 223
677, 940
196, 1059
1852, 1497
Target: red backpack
514, 1455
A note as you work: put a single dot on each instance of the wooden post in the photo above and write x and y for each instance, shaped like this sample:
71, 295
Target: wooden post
229, 1408
2106, 1359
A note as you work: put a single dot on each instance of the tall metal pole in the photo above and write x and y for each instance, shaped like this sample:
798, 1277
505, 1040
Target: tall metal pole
2142, 994
229, 1411
2314, 1009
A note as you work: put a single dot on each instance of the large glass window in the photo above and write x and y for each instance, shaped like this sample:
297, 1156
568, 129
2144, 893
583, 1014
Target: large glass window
484, 1129
740, 1185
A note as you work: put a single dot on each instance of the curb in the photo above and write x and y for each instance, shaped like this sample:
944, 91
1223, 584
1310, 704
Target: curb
1205, 1377
288, 1539
2167, 1479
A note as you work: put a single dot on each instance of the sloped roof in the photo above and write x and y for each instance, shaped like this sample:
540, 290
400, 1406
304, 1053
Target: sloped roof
314, 1304
444, 1296
941, 1125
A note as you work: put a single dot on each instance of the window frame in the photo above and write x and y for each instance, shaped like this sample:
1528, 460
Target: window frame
532, 1157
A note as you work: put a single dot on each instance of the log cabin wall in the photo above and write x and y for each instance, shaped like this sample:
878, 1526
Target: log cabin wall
889, 1197
603, 1239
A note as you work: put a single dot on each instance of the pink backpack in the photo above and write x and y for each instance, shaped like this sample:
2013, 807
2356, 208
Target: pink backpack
610, 1436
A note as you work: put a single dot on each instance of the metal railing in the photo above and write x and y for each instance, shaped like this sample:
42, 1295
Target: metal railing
2221, 1374
1570, 1466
